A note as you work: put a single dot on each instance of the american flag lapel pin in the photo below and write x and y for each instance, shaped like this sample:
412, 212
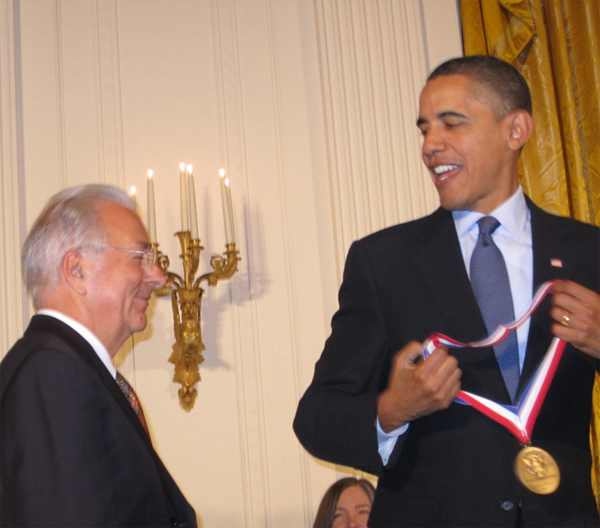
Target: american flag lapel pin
556, 263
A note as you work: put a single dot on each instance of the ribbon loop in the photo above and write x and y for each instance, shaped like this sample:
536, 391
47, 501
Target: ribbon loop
518, 419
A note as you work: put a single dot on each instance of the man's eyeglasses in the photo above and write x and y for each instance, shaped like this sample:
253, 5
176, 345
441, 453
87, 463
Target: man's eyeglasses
147, 257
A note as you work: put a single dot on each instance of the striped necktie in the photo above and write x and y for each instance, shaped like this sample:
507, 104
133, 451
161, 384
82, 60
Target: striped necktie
133, 400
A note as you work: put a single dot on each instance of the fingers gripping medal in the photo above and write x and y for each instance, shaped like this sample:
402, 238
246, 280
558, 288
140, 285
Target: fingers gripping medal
534, 467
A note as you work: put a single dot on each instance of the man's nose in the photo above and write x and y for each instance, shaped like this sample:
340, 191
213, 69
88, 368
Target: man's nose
433, 142
156, 276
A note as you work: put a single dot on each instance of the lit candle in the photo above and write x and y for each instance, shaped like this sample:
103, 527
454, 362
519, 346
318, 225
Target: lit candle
132, 192
183, 195
192, 193
226, 217
229, 204
150, 205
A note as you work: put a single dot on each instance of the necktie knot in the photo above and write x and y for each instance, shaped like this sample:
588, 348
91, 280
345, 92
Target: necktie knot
487, 225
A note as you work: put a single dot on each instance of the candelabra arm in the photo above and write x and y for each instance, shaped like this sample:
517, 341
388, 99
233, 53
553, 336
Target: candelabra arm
173, 281
224, 266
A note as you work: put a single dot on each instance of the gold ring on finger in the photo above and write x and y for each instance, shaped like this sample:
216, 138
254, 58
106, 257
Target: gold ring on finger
565, 320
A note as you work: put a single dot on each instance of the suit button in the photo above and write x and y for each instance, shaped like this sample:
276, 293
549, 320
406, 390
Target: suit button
507, 505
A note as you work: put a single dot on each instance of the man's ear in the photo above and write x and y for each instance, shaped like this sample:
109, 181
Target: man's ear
520, 128
72, 271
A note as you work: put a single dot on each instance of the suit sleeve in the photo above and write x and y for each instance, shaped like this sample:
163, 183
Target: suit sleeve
58, 470
336, 417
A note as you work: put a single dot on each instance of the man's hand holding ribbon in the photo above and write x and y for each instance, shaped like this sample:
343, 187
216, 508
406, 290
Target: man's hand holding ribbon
417, 388
576, 315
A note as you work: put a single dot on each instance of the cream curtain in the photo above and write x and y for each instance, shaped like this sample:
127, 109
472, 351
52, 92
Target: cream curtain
556, 45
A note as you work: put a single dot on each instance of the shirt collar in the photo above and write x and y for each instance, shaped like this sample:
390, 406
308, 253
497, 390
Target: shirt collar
87, 334
513, 215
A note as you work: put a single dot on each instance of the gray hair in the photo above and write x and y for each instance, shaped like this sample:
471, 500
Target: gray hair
69, 220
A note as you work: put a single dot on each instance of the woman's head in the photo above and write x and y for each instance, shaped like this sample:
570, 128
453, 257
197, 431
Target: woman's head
346, 504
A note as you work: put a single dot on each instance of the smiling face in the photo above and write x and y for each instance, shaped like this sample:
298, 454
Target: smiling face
353, 509
117, 284
471, 152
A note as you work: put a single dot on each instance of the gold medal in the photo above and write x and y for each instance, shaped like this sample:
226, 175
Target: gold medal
537, 470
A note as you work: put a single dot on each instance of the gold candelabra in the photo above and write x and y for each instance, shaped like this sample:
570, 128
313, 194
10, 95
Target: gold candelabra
186, 300
186, 290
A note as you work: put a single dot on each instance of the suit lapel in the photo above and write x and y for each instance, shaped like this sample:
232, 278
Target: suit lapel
550, 261
54, 327
440, 260
450, 294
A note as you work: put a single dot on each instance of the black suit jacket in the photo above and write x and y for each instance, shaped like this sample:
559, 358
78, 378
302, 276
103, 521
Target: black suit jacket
73, 453
453, 467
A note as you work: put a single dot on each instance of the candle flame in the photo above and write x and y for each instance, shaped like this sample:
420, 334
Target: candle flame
227, 182
182, 166
132, 191
189, 168
150, 174
222, 173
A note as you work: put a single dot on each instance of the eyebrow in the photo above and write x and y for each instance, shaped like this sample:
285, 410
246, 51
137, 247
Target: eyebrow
450, 113
441, 115
359, 505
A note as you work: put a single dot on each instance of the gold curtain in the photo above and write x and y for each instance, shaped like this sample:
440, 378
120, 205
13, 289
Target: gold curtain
556, 46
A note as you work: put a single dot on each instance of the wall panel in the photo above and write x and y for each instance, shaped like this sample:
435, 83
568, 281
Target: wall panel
373, 61
12, 302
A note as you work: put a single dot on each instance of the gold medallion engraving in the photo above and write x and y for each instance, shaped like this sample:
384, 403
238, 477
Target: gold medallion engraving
537, 470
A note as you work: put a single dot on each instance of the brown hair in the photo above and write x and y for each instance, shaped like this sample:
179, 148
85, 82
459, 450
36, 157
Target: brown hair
326, 511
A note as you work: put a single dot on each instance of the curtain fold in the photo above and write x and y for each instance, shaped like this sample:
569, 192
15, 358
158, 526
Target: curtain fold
556, 46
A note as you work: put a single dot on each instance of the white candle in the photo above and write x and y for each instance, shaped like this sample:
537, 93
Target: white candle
193, 210
132, 192
183, 195
229, 204
151, 206
226, 217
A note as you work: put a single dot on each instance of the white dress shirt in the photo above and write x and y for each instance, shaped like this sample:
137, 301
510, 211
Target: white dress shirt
513, 238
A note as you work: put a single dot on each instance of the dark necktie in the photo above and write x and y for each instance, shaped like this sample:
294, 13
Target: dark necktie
133, 400
491, 286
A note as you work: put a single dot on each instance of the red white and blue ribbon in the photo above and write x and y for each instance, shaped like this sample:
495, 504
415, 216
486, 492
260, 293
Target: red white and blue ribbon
518, 419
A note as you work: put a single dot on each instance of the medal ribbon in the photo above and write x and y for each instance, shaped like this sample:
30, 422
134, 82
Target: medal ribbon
518, 419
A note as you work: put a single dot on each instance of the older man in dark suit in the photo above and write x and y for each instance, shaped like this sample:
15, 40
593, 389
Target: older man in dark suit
74, 448
375, 404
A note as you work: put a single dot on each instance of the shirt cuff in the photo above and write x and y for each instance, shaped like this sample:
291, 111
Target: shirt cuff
387, 441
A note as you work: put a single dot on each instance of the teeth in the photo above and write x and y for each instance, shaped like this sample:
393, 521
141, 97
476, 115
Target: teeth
441, 169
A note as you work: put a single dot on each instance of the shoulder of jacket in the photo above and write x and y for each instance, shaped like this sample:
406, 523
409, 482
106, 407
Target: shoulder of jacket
407, 231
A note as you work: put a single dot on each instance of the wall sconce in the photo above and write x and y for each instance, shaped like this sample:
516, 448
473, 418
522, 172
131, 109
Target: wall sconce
186, 291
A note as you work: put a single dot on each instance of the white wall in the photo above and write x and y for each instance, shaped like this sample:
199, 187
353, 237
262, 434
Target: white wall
311, 106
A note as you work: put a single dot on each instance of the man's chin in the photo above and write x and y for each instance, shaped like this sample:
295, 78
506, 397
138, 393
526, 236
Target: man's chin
453, 201
451, 205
